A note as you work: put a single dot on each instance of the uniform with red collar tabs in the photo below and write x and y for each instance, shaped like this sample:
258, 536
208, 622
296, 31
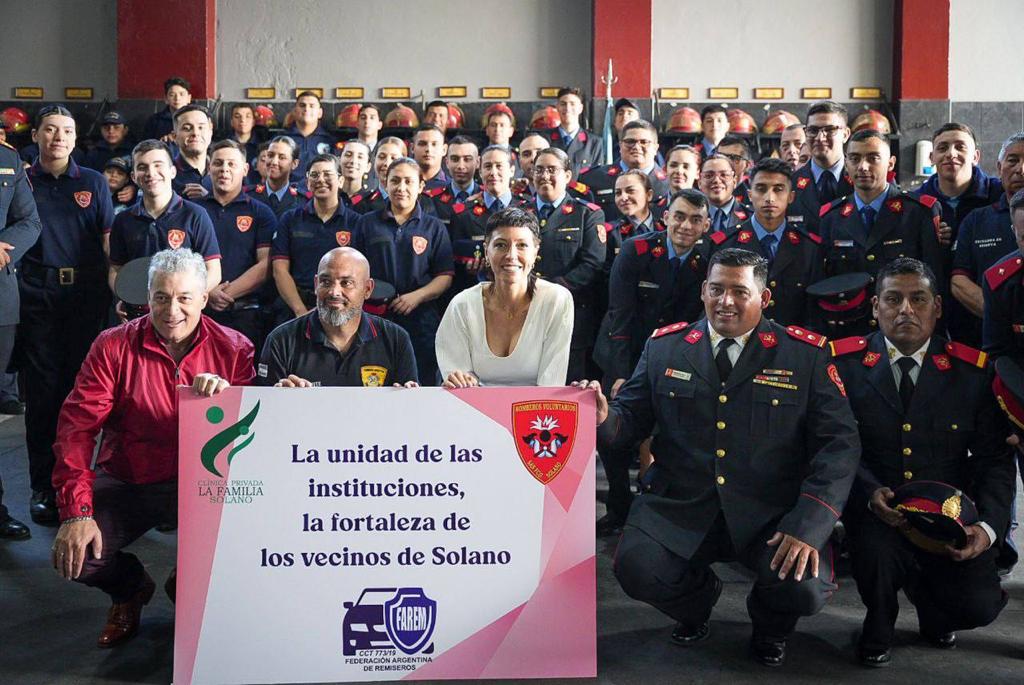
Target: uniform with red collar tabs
601, 183
1003, 290
370, 201
584, 149
573, 243
790, 270
772, 449
807, 205
466, 230
903, 226
442, 201
930, 436
282, 201
728, 217
64, 304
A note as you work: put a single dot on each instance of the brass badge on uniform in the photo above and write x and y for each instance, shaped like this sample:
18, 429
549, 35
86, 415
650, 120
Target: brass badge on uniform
373, 376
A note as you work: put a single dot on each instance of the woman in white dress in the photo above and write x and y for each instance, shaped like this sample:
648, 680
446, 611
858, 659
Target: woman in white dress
513, 329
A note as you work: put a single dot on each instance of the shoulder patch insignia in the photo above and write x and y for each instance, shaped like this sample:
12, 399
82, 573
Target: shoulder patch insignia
458, 208
580, 187
694, 336
744, 236
602, 232
871, 358
718, 237
825, 209
592, 207
966, 353
927, 200
847, 209
802, 182
567, 208
833, 375
641, 247
671, 328
815, 237
942, 362
1000, 273
847, 345
806, 336
446, 198
658, 251
768, 339
740, 214
895, 205
433, 192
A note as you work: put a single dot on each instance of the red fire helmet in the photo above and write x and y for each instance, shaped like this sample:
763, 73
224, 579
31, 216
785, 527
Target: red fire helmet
16, 120
545, 117
402, 117
778, 120
684, 120
265, 116
497, 107
872, 119
740, 121
348, 117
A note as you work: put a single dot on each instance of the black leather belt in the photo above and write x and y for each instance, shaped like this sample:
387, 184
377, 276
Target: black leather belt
64, 275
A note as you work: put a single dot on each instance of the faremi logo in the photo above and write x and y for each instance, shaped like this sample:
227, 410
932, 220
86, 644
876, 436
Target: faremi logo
227, 436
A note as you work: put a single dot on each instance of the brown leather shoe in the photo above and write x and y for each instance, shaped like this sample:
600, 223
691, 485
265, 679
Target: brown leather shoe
123, 618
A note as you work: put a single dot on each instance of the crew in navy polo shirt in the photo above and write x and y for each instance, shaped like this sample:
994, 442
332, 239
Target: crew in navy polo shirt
161, 219
411, 250
64, 297
306, 234
245, 229
310, 137
193, 130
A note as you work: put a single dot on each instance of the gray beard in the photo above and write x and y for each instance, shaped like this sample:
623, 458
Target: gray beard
336, 317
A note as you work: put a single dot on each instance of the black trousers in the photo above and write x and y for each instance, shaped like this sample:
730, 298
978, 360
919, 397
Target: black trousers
421, 325
683, 589
248, 322
616, 467
58, 325
124, 512
6, 346
948, 595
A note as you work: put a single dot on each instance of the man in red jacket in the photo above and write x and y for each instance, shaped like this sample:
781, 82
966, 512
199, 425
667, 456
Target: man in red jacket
127, 388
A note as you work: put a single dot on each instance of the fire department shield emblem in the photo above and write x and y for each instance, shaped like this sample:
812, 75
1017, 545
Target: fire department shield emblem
419, 244
83, 198
244, 223
545, 431
343, 238
175, 238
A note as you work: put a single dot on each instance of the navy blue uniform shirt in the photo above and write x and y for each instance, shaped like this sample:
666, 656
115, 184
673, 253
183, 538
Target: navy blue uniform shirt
76, 211
242, 226
407, 256
189, 174
184, 224
304, 239
319, 142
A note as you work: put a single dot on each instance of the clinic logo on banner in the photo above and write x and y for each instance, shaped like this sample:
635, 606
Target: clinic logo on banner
393, 624
546, 431
223, 491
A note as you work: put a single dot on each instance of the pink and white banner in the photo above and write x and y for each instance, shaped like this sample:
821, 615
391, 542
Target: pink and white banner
352, 534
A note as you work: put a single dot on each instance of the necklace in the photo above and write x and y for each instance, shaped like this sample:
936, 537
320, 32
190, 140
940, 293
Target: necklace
510, 313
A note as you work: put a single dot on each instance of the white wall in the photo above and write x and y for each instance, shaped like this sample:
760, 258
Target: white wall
57, 44
524, 44
805, 43
985, 60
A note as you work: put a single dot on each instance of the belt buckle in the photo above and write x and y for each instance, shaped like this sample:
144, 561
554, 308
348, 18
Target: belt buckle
66, 275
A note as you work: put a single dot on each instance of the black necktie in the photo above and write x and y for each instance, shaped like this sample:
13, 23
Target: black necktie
461, 196
826, 187
275, 201
722, 360
867, 214
545, 212
497, 206
768, 244
721, 219
906, 364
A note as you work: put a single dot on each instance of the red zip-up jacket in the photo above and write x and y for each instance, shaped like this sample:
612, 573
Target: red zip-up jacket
127, 388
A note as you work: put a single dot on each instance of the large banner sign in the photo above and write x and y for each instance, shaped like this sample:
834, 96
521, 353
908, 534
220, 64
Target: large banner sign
350, 534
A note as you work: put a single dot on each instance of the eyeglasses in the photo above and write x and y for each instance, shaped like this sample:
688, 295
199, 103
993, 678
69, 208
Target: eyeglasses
712, 175
638, 142
326, 175
547, 170
829, 131
734, 157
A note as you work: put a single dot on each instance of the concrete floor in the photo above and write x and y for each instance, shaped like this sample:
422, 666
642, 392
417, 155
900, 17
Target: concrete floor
48, 626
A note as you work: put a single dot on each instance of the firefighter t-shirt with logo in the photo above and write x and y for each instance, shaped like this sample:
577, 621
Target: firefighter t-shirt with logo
185, 224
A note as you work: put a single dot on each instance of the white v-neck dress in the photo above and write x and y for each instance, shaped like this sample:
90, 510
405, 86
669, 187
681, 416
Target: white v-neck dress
541, 355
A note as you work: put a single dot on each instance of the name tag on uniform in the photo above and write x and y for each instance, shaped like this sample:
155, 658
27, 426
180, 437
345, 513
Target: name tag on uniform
678, 375
7, 170
796, 219
897, 241
568, 228
842, 243
477, 237
647, 284
607, 191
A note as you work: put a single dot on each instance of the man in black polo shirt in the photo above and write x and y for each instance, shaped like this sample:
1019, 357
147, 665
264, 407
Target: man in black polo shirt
338, 344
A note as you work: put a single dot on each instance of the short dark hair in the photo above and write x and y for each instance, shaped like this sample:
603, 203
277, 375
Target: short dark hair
641, 124
176, 81
513, 217
375, 108
902, 266
495, 148
734, 257
794, 127
325, 158
226, 144
427, 127
244, 105
559, 154
693, 196
645, 180
569, 90
772, 165
736, 140
715, 155
402, 161
828, 107
867, 134
712, 109
307, 94
955, 126
191, 108
149, 146
1017, 201
52, 111
682, 148
287, 141
435, 103
461, 140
